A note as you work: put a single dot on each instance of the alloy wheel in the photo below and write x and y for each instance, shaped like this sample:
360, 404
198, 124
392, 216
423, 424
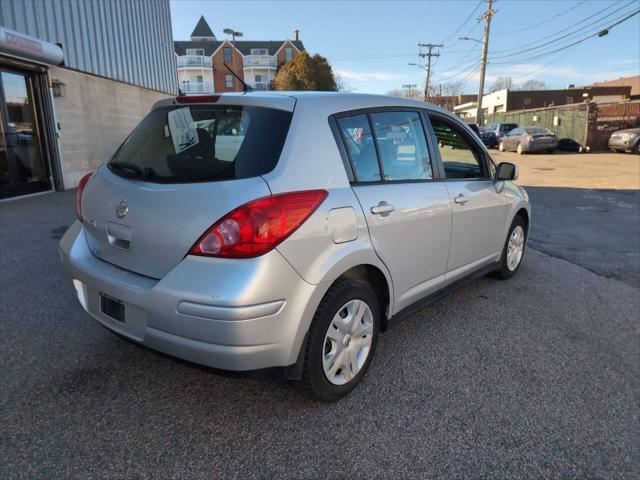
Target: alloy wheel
347, 342
515, 248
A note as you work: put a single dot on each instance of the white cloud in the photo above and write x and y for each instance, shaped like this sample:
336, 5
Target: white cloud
363, 76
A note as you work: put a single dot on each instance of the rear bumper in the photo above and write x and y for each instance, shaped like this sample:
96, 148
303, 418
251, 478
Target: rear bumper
539, 147
622, 145
236, 315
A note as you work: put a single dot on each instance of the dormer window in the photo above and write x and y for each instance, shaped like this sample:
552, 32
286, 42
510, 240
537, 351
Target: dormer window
195, 51
259, 51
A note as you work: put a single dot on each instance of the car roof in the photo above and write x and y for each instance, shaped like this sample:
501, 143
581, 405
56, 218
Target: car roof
286, 100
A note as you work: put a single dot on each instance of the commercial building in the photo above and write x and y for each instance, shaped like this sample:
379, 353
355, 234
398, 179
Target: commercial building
201, 61
633, 82
513, 100
75, 78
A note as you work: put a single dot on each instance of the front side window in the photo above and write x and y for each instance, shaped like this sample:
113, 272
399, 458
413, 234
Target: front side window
402, 146
199, 143
362, 151
459, 158
228, 81
227, 54
288, 54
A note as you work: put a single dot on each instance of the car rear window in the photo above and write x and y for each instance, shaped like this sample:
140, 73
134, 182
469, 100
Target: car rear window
507, 127
537, 130
199, 143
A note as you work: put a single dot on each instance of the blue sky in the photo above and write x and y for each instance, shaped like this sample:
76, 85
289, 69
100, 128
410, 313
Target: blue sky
370, 43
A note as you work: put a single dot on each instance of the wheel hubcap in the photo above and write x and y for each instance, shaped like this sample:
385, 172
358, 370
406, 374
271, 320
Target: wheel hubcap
515, 248
348, 342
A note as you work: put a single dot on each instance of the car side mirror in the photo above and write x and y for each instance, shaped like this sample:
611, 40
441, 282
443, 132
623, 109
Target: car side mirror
506, 171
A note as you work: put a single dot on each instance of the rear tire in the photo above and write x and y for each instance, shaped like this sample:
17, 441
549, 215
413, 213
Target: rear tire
514, 247
519, 149
636, 149
339, 353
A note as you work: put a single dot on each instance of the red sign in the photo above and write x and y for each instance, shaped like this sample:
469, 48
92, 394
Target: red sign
23, 43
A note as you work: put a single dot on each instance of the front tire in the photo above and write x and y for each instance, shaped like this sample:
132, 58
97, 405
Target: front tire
513, 250
501, 147
519, 149
342, 340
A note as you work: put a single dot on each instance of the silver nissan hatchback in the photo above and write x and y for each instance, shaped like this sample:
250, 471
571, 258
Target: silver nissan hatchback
282, 232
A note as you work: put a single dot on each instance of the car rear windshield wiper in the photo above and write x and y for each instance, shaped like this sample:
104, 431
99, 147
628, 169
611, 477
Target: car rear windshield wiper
131, 169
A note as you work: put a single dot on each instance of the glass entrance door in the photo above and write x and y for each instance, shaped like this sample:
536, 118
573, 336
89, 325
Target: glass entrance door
23, 169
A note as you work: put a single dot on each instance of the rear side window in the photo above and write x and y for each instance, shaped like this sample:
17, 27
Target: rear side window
199, 143
459, 158
402, 146
356, 133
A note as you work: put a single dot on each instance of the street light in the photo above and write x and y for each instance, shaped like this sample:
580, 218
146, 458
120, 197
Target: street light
469, 38
234, 34
417, 65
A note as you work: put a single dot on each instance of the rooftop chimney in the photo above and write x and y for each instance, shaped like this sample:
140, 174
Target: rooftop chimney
297, 32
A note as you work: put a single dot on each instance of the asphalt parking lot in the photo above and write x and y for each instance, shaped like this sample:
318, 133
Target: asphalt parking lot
538, 376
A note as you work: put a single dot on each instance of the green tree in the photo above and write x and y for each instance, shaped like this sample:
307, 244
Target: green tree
306, 73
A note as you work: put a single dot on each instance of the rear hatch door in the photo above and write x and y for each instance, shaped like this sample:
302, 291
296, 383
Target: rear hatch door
175, 176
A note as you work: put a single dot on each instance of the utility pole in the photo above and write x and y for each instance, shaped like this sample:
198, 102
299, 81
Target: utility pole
486, 16
429, 54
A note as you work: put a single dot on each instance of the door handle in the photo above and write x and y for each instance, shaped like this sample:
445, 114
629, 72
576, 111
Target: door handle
383, 208
461, 199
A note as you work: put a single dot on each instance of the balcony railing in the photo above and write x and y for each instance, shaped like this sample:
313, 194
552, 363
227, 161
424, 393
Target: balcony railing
194, 61
193, 88
261, 86
260, 61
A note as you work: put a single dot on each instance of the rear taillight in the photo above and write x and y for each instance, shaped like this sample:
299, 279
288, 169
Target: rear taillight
258, 226
81, 185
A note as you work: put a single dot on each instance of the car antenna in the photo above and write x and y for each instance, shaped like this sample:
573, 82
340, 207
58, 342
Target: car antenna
245, 87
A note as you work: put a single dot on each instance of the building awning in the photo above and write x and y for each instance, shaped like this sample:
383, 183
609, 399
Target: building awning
16, 44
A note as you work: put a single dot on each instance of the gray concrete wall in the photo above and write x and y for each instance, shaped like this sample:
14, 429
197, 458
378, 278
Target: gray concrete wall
95, 116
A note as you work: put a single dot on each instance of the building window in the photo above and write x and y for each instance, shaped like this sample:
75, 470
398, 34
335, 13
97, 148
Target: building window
260, 78
259, 51
227, 54
195, 51
527, 101
288, 54
228, 81
569, 100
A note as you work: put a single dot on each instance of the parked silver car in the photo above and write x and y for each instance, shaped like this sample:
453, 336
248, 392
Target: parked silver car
529, 139
328, 219
627, 140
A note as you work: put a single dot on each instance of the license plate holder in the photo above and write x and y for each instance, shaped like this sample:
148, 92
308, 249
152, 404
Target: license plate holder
112, 307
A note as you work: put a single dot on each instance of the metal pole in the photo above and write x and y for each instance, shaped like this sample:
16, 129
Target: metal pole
483, 64
429, 54
235, 70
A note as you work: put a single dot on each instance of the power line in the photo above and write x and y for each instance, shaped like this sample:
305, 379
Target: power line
531, 46
542, 22
600, 33
456, 31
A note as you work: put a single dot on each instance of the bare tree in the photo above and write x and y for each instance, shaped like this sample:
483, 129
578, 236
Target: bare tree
452, 88
500, 84
532, 84
413, 93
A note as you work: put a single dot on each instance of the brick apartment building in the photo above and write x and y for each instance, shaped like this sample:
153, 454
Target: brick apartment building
201, 61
